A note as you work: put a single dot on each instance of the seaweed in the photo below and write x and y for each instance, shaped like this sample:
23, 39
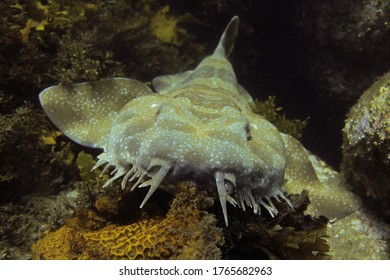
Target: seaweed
57, 41
291, 235
34, 158
268, 109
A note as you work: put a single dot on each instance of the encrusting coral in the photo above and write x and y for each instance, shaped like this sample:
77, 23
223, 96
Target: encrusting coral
186, 232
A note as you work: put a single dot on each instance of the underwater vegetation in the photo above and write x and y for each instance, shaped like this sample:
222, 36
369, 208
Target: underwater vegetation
32, 154
46, 42
292, 235
268, 109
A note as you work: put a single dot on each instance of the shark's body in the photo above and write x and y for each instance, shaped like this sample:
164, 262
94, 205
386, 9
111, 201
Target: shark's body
200, 126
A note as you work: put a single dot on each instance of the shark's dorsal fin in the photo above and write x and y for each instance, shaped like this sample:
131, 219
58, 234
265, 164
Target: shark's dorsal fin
168, 83
228, 38
84, 112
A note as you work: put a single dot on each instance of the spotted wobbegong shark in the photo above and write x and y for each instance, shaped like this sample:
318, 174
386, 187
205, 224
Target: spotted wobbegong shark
199, 125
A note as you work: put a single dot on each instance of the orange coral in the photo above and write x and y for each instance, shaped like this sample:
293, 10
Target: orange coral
58, 245
187, 232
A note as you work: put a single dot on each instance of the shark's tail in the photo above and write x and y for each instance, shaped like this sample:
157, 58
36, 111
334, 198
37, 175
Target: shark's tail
226, 43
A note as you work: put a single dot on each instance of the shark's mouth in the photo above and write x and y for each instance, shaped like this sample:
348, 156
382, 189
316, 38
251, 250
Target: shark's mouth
225, 183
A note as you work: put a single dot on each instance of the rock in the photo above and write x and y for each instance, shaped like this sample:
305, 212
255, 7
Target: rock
359, 236
366, 146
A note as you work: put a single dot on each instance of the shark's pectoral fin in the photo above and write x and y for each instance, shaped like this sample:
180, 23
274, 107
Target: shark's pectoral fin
84, 112
168, 83
327, 193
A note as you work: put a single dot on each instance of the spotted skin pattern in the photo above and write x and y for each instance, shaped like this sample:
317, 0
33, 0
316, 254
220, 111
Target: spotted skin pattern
198, 126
